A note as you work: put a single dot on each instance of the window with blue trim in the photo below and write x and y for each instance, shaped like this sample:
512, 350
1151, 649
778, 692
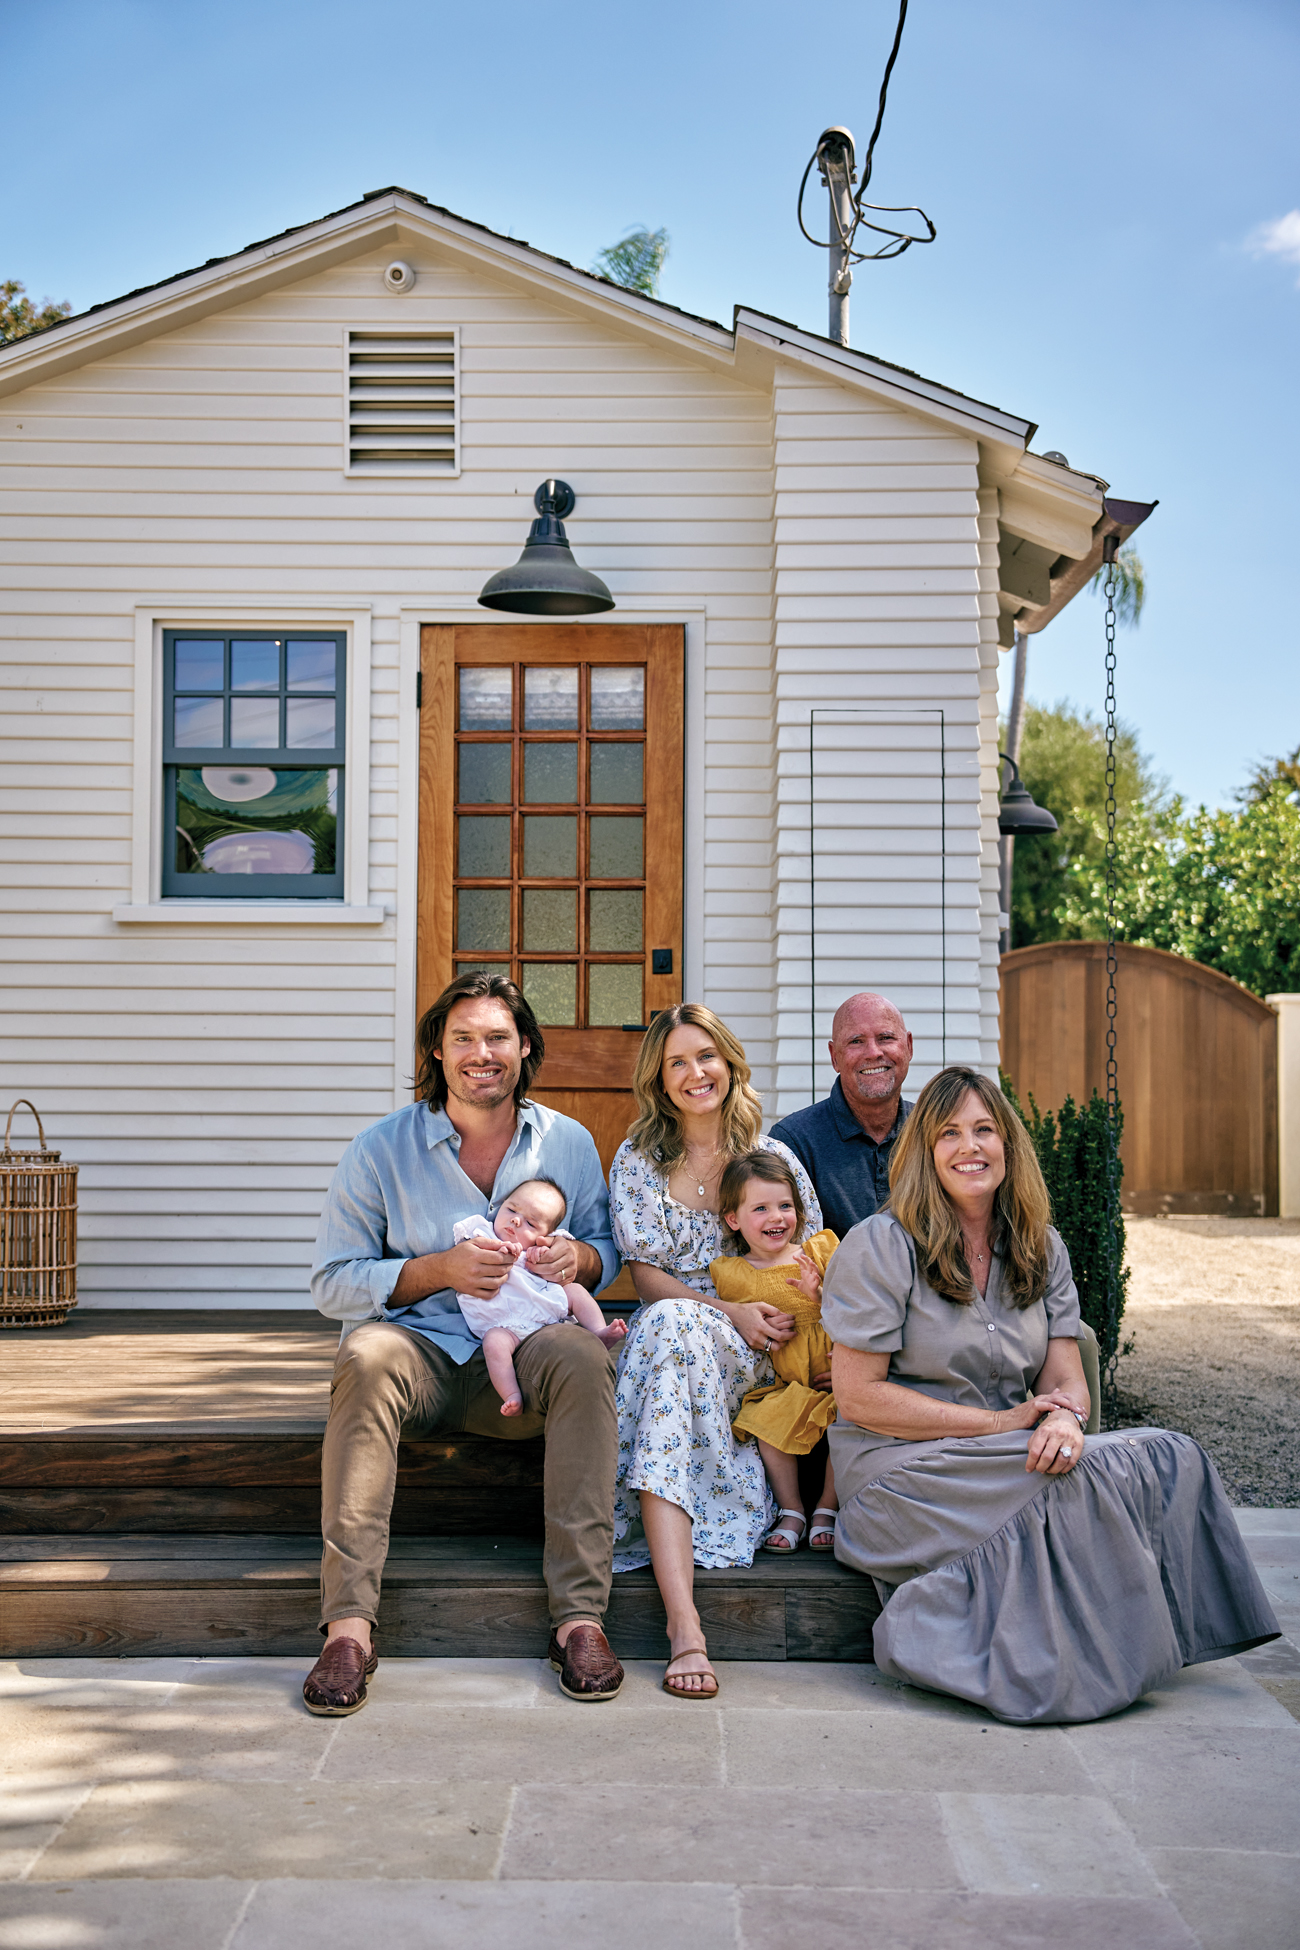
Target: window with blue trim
253, 751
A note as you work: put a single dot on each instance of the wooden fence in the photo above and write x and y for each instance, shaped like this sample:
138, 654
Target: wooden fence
1197, 1058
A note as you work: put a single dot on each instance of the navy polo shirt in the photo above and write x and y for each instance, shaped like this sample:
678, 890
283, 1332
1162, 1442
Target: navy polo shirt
849, 1170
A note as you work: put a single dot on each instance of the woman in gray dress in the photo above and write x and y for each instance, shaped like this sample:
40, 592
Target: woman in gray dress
1045, 1579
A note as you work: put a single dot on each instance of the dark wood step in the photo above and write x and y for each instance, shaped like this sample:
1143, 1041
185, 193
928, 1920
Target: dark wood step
179, 1479
169, 1596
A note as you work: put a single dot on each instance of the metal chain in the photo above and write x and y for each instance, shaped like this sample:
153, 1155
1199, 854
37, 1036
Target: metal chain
1111, 589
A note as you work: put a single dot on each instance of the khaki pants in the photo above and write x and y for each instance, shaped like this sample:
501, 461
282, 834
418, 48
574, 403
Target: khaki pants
390, 1382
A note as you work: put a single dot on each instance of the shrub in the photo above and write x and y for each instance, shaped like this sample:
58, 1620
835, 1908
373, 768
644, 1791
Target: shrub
1073, 1148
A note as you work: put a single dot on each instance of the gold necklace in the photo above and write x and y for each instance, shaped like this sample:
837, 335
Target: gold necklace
713, 1159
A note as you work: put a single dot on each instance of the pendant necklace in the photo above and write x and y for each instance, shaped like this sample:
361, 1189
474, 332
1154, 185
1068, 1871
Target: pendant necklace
713, 1160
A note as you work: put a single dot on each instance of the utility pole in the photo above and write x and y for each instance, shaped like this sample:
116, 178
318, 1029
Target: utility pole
1015, 732
835, 161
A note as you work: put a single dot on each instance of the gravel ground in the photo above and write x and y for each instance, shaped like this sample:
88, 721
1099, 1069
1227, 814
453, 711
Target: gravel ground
1214, 1314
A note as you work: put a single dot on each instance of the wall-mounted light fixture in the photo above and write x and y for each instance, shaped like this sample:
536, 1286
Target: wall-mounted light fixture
546, 581
1017, 813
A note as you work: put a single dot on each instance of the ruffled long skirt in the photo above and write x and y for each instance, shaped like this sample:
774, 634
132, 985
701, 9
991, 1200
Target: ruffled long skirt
683, 1372
1047, 1599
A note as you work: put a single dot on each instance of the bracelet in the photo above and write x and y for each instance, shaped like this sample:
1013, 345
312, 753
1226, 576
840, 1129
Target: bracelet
1078, 1415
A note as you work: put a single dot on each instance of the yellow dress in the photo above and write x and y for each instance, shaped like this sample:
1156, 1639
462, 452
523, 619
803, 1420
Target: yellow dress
791, 1414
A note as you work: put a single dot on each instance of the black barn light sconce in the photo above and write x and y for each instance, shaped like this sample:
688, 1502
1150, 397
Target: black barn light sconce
546, 581
1017, 813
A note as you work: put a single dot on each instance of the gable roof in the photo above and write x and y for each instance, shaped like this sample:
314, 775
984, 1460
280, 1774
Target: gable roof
380, 216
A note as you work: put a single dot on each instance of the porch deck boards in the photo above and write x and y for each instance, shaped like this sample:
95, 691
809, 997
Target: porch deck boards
160, 1495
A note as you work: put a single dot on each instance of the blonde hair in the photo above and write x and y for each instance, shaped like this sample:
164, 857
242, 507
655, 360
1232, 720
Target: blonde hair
1021, 1207
772, 1169
657, 1131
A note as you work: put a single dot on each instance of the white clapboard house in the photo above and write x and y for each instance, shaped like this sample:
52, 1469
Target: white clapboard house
271, 772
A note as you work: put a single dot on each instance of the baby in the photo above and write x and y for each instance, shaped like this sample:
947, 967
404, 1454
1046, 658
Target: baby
527, 1217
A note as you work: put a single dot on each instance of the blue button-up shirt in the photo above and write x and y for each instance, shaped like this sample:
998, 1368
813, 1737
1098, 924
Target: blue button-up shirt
849, 1169
398, 1191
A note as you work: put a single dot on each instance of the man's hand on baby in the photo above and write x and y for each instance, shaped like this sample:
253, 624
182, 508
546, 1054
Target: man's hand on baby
479, 1267
554, 1259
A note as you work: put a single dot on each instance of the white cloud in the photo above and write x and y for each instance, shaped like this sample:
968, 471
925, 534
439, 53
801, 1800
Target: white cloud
1279, 238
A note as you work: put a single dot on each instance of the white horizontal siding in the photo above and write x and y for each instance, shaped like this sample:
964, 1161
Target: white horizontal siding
877, 630
206, 1080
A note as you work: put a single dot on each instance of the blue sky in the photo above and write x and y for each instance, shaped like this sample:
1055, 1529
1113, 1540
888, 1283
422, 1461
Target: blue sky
1102, 193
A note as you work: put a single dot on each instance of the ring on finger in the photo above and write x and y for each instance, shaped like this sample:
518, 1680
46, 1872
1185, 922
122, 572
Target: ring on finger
1067, 1453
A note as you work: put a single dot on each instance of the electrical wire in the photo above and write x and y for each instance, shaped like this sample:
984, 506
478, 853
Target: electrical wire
897, 241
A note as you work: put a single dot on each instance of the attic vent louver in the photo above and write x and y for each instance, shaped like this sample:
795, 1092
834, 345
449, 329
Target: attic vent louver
402, 403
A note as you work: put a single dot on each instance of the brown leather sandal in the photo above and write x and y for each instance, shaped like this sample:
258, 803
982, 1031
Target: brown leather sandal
587, 1667
680, 1692
336, 1684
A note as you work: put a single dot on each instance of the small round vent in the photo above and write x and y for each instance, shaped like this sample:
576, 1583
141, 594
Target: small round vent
399, 276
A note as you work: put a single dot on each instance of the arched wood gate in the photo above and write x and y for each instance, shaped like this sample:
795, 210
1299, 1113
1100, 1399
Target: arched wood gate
1197, 1057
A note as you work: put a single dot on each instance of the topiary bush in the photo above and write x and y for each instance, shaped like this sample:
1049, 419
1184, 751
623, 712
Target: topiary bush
1074, 1148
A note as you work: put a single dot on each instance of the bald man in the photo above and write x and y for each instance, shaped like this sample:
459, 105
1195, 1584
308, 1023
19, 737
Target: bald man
845, 1142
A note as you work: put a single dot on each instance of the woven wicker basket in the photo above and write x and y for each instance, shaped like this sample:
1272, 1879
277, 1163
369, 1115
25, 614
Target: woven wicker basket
38, 1233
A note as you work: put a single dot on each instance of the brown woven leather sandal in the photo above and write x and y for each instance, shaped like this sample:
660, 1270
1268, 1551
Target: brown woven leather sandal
336, 1684
588, 1669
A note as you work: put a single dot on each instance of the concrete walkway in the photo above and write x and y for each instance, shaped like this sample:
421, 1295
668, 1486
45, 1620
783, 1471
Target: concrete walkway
193, 1805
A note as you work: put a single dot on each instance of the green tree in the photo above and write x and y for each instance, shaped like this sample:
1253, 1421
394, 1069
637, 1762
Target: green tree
1266, 774
19, 316
636, 261
1063, 763
1220, 887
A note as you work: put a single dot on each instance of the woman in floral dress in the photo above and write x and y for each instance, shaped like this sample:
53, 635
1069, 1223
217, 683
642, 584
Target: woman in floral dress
686, 1492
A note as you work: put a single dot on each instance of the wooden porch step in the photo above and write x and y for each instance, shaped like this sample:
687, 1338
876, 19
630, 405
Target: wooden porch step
230, 1478
178, 1597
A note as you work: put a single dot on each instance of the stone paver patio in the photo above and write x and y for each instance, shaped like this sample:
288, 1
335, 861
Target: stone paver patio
150, 1804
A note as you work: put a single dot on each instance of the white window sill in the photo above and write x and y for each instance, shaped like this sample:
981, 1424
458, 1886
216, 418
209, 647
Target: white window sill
308, 914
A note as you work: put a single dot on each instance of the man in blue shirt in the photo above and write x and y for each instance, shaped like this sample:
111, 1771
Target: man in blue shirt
389, 1268
845, 1142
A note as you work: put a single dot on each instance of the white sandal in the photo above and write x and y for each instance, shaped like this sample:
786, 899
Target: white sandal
822, 1529
784, 1530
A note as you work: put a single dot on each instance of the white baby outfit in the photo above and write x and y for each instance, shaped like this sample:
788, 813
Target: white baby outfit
525, 1302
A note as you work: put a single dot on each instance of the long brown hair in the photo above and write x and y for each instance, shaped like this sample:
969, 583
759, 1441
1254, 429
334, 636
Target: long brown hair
1021, 1207
657, 1132
430, 1081
773, 1169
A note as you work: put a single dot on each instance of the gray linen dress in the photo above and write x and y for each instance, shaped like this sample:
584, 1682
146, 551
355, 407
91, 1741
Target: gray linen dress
1043, 1599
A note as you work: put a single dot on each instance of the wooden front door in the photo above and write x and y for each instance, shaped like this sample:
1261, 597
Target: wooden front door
551, 838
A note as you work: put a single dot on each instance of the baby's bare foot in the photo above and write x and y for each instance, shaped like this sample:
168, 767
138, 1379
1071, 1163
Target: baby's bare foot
615, 1332
513, 1405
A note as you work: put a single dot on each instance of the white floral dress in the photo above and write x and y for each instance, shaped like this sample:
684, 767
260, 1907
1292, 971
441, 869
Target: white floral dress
683, 1372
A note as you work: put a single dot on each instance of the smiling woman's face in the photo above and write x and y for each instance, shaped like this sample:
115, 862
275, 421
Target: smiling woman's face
694, 1074
969, 1156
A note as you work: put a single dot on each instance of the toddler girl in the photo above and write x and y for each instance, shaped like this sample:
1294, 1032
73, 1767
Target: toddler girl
764, 1215
525, 1219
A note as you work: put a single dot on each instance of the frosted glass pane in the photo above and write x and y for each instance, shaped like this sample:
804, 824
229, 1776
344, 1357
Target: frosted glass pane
484, 775
483, 851
615, 923
552, 989
551, 699
550, 847
617, 848
255, 721
312, 666
551, 775
200, 664
613, 994
255, 666
483, 918
485, 700
617, 775
550, 919
618, 698
198, 721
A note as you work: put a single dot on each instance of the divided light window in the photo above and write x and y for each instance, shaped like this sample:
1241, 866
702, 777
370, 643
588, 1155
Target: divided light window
402, 416
550, 869
253, 764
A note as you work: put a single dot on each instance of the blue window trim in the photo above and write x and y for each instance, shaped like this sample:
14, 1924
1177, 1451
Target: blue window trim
240, 886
